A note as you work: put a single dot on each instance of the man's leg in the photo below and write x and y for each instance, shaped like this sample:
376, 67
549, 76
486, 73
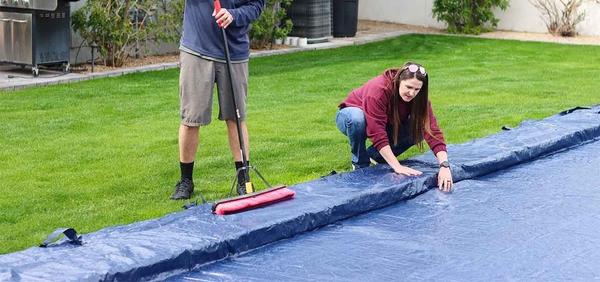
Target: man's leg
196, 88
234, 141
228, 112
234, 146
188, 146
188, 143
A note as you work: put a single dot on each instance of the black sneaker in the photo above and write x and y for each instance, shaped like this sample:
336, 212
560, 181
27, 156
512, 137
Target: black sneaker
183, 189
241, 182
241, 189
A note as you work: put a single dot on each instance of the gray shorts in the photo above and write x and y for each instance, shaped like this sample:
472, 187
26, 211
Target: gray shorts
196, 83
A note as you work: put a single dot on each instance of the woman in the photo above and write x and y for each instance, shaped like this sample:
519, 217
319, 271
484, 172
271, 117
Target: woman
394, 112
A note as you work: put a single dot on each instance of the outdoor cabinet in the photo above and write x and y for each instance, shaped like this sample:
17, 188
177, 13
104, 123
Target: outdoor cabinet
345, 18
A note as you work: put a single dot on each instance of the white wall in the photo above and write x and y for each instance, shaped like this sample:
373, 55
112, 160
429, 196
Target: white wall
399, 11
520, 16
591, 25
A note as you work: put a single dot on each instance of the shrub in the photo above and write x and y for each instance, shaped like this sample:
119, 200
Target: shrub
116, 25
561, 20
468, 16
271, 24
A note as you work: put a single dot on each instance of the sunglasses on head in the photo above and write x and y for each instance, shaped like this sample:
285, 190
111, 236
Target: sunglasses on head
414, 68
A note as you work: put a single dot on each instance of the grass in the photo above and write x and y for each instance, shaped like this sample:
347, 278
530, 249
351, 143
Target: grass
104, 152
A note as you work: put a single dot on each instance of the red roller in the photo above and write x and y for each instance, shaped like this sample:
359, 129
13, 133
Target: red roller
253, 201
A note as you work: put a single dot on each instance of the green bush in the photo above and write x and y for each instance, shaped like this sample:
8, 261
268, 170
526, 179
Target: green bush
171, 19
468, 16
112, 25
116, 25
271, 24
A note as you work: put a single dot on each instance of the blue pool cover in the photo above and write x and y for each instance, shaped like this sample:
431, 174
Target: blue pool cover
456, 235
538, 221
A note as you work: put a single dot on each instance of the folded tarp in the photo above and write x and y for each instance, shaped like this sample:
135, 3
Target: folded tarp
155, 249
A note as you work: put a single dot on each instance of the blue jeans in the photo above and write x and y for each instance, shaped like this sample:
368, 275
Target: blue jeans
351, 122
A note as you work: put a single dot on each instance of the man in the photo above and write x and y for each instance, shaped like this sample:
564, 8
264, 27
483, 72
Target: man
202, 65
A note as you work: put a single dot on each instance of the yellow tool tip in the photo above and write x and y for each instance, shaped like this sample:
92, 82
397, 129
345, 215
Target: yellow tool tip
249, 188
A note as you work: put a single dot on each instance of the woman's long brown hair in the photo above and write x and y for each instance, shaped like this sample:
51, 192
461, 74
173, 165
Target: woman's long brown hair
418, 106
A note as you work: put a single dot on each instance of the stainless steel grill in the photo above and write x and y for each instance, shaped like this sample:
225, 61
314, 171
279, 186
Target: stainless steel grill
35, 32
46, 5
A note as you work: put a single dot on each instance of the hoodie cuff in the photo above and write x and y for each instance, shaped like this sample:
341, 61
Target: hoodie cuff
438, 148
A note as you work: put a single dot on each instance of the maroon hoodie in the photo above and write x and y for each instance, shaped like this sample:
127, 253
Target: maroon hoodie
374, 99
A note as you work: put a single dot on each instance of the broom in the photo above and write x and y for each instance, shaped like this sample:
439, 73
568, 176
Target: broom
252, 199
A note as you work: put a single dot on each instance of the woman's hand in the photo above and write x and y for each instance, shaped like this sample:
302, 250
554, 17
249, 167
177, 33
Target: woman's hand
407, 171
390, 158
223, 17
445, 179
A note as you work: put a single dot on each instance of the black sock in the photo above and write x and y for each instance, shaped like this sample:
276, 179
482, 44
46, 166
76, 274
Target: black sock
187, 170
240, 176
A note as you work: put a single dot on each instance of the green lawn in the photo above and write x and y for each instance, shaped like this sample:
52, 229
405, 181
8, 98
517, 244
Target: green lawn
104, 152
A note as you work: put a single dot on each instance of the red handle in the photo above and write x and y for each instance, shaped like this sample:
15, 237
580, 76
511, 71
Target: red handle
217, 6
217, 9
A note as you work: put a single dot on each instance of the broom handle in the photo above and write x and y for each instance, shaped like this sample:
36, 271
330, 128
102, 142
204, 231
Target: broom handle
237, 111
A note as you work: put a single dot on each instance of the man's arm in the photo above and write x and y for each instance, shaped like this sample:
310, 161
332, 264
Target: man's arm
246, 11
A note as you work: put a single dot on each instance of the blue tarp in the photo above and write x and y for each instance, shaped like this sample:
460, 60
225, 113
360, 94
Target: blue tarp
180, 241
537, 221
